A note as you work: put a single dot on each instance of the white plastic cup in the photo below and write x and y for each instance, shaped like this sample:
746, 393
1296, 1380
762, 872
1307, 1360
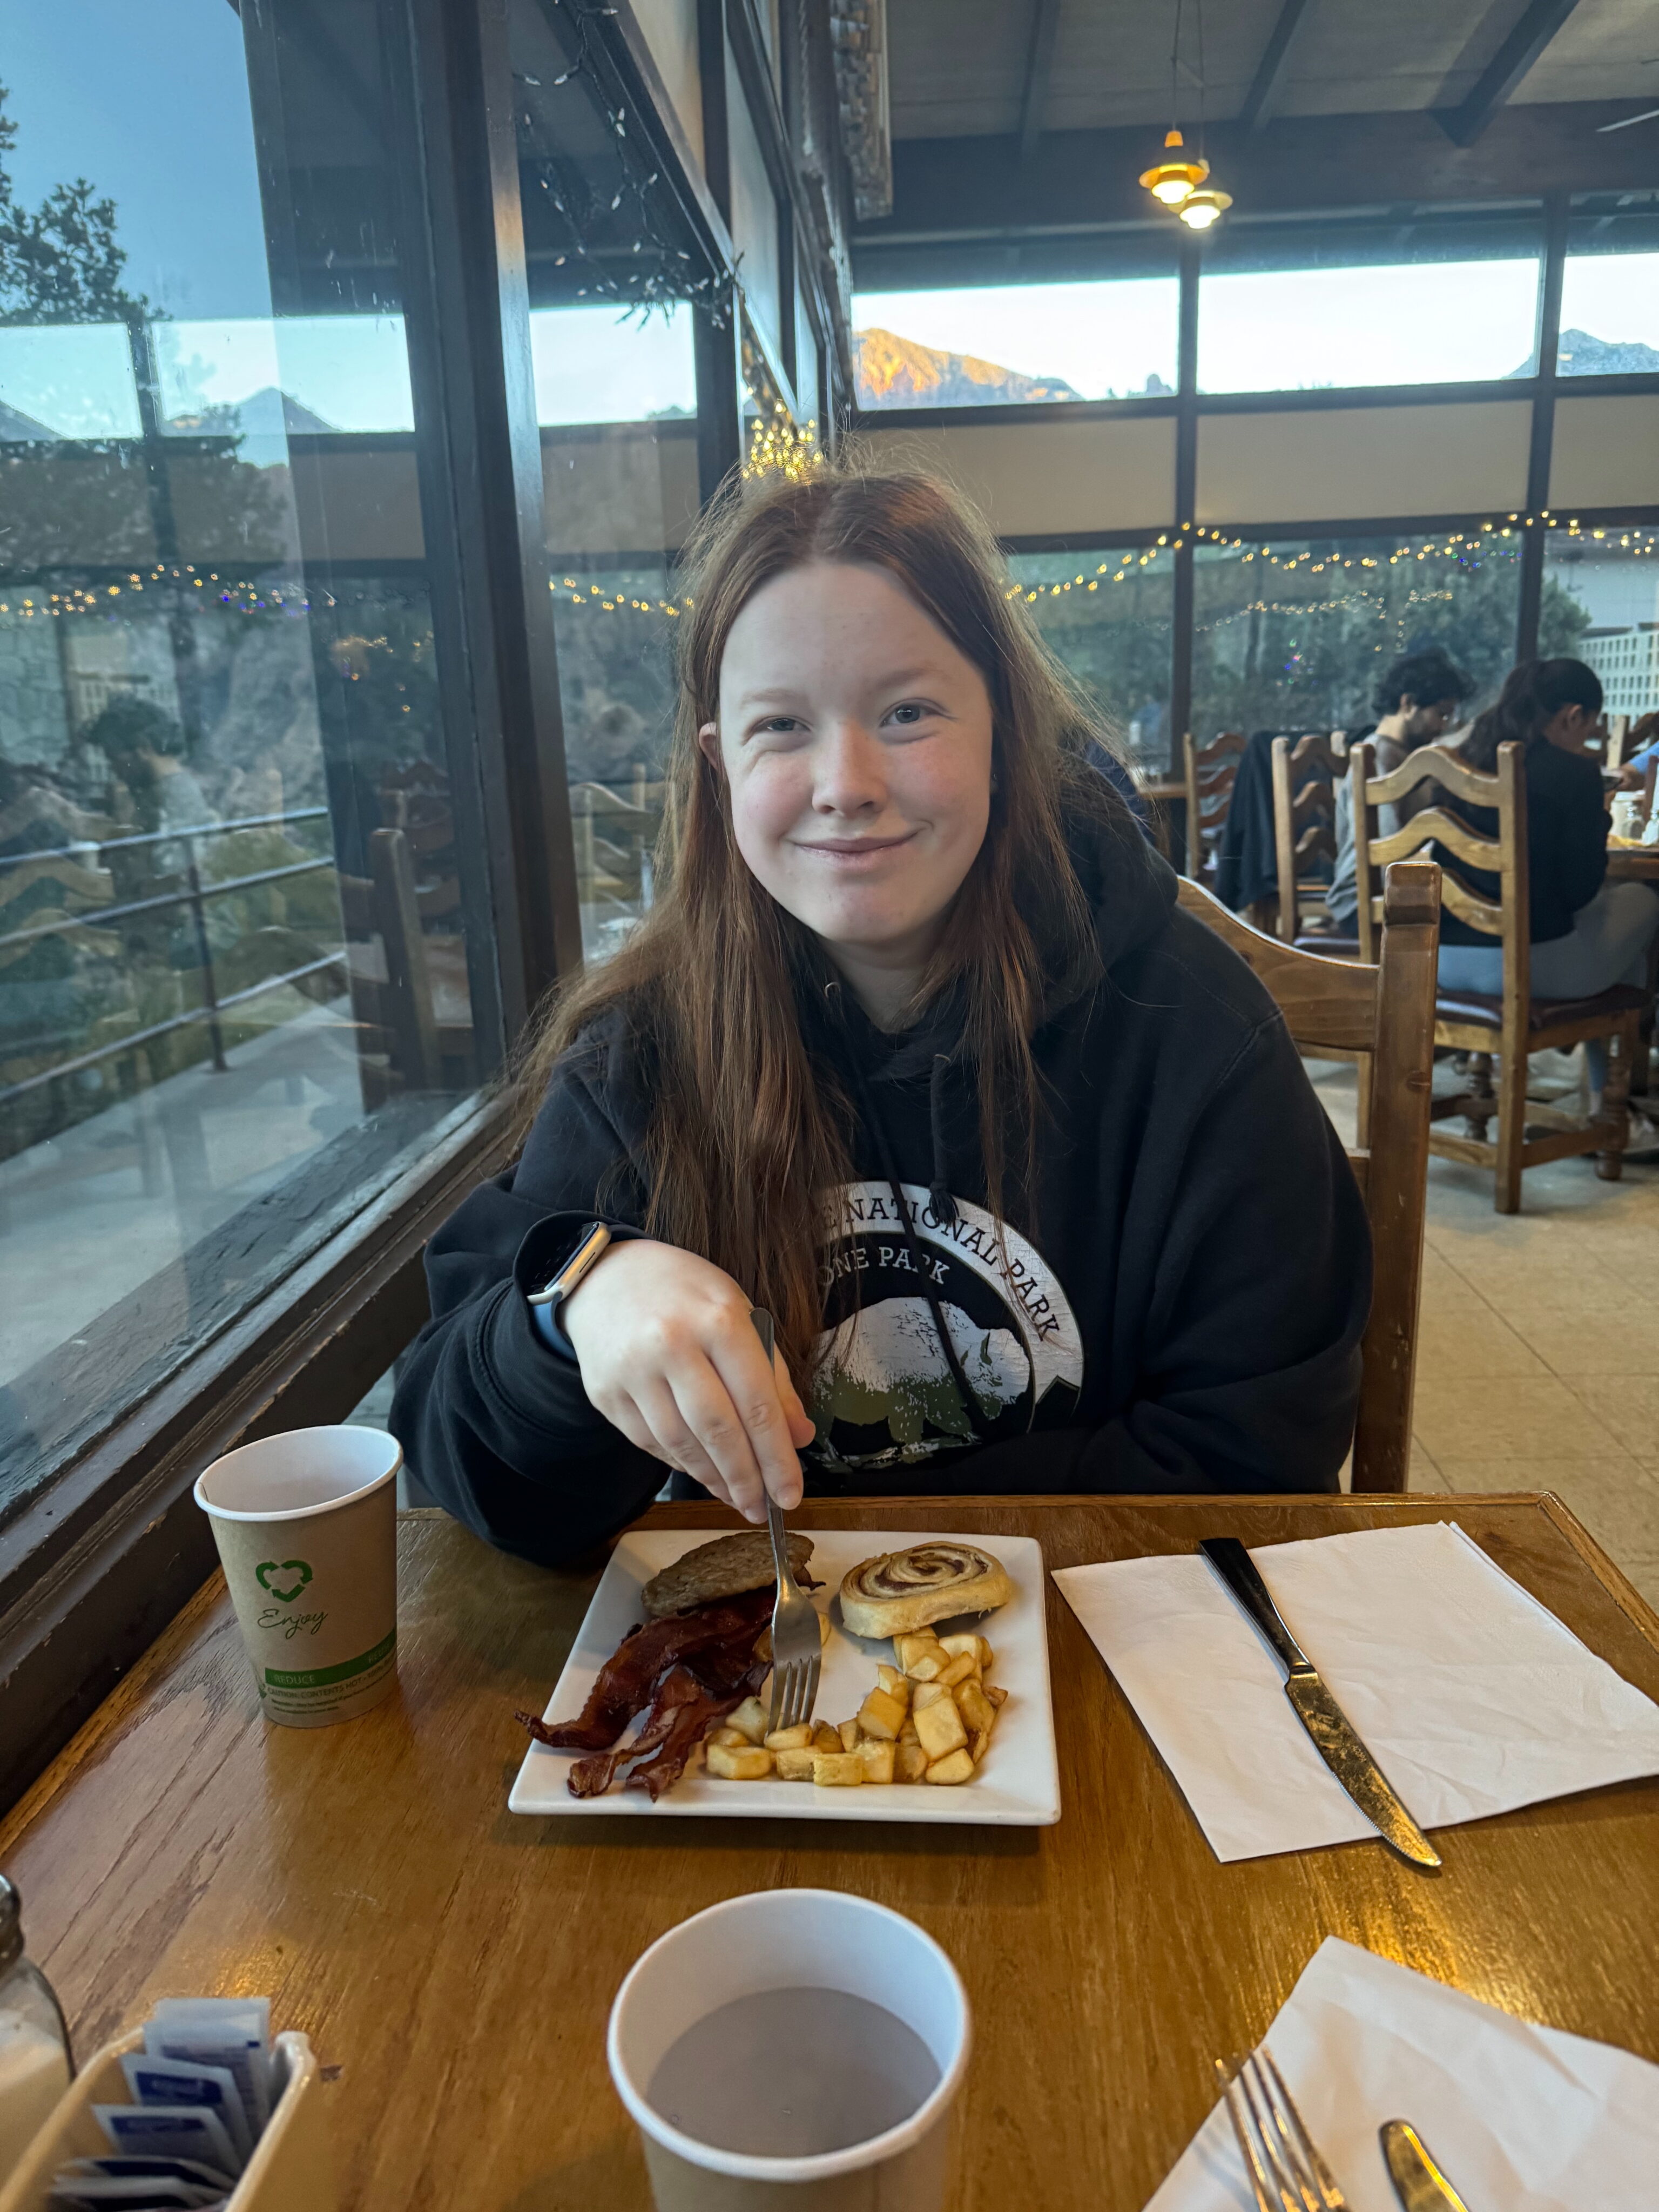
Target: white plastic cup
307, 1527
785, 1939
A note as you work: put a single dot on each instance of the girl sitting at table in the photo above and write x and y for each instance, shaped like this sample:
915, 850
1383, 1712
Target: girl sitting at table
1587, 933
915, 1051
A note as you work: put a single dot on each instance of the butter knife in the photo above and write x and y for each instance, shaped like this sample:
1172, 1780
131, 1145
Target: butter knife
1333, 1733
1418, 2181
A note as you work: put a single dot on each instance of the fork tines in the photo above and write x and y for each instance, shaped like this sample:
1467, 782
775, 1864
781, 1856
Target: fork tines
1283, 2161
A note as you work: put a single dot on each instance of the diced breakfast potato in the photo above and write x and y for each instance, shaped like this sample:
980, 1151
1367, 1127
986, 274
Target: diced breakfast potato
965, 1664
795, 1765
928, 1693
959, 1767
999, 1697
978, 1744
734, 1738
726, 1765
849, 1733
878, 1759
895, 1684
906, 1647
986, 1655
749, 1719
881, 1715
837, 1769
908, 1733
824, 1738
790, 1739
909, 1763
956, 1646
939, 1727
928, 1666
976, 1709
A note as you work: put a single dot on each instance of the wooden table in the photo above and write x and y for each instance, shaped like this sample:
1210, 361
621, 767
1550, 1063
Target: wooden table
455, 1963
1632, 863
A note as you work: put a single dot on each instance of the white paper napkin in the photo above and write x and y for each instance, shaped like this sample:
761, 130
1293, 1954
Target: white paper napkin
1471, 1696
1520, 2119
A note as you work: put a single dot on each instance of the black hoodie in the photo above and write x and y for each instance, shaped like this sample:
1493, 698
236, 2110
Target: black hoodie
1180, 1309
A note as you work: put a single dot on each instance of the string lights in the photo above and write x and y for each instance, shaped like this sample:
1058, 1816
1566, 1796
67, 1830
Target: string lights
779, 445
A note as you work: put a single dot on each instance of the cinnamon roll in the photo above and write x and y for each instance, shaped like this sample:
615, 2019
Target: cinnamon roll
902, 1591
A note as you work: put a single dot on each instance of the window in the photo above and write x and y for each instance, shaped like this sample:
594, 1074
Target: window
1000, 345
234, 990
1602, 605
1293, 634
1610, 287
1432, 298
617, 282
1110, 617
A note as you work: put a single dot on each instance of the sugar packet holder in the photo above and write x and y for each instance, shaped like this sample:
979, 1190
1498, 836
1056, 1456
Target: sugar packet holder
292, 2167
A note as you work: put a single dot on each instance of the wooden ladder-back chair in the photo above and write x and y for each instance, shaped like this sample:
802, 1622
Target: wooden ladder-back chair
1305, 773
1512, 1024
1384, 1012
1211, 772
404, 1039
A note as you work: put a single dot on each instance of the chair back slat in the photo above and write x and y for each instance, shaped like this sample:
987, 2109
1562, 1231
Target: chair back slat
1385, 1013
1304, 773
1479, 914
1212, 770
1434, 826
1443, 767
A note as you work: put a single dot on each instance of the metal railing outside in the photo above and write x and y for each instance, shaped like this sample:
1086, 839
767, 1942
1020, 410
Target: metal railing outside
194, 894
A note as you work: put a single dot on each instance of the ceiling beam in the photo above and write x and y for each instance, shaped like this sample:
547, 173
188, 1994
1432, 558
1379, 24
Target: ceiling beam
1270, 70
1039, 67
1538, 22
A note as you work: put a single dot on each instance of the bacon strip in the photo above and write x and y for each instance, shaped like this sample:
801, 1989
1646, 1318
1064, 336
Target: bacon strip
682, 1712
719, 1636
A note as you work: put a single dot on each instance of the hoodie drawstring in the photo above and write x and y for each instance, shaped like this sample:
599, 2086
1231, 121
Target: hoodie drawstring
965, 1396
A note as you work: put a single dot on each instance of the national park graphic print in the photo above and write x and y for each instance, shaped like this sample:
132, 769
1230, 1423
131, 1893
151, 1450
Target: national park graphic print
882, 1394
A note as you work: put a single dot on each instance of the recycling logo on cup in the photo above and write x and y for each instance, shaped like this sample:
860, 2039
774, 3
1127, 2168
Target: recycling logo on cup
268, 1569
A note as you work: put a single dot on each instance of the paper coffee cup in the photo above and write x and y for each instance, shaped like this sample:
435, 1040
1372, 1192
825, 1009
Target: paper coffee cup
804, 1940
307, 1527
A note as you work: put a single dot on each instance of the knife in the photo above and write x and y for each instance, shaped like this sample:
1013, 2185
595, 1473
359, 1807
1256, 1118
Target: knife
1333, 1733
1418, 2181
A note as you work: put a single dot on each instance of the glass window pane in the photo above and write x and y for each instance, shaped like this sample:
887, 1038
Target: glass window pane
1110, 616
234, 996
995, 345
616, 281
1601, 605
1293, 634
1298, 307
1610, 287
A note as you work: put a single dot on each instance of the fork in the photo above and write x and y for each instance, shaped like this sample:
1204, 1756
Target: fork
797, 1643
1280, 2157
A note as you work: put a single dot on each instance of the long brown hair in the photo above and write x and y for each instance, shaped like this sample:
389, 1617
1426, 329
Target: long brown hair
1533, 694
746, 1135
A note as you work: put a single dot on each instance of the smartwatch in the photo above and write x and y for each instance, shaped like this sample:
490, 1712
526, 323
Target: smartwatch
594, 1240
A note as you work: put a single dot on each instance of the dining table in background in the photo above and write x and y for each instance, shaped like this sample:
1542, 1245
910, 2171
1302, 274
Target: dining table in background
454, 1964
1631, 863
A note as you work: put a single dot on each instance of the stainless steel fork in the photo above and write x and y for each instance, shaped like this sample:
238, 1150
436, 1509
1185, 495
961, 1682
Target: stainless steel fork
797, 1639
1281, 2158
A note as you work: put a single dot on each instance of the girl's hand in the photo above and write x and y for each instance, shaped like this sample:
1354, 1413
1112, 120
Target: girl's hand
670, 1356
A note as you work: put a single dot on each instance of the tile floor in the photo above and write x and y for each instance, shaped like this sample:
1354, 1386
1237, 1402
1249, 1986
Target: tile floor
1538, 1358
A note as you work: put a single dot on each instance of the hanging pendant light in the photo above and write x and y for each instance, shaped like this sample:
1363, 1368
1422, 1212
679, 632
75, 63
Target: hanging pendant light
1173, 181
1177, 182
1197, 210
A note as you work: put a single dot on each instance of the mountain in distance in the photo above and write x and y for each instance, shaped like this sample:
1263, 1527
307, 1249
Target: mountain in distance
267, 413
1580, 355
895, 372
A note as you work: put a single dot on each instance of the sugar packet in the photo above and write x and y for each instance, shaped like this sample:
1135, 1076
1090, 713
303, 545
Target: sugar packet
152, 2080
171, 2131
232, 2033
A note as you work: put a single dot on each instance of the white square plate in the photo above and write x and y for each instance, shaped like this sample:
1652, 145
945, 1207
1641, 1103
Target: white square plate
1017, 1784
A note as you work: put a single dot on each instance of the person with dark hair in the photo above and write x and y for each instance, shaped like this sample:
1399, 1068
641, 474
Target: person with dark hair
1587, 933
917, 1051
1417, 702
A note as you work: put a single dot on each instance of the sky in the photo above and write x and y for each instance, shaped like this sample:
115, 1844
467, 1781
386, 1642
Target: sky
1097, 336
